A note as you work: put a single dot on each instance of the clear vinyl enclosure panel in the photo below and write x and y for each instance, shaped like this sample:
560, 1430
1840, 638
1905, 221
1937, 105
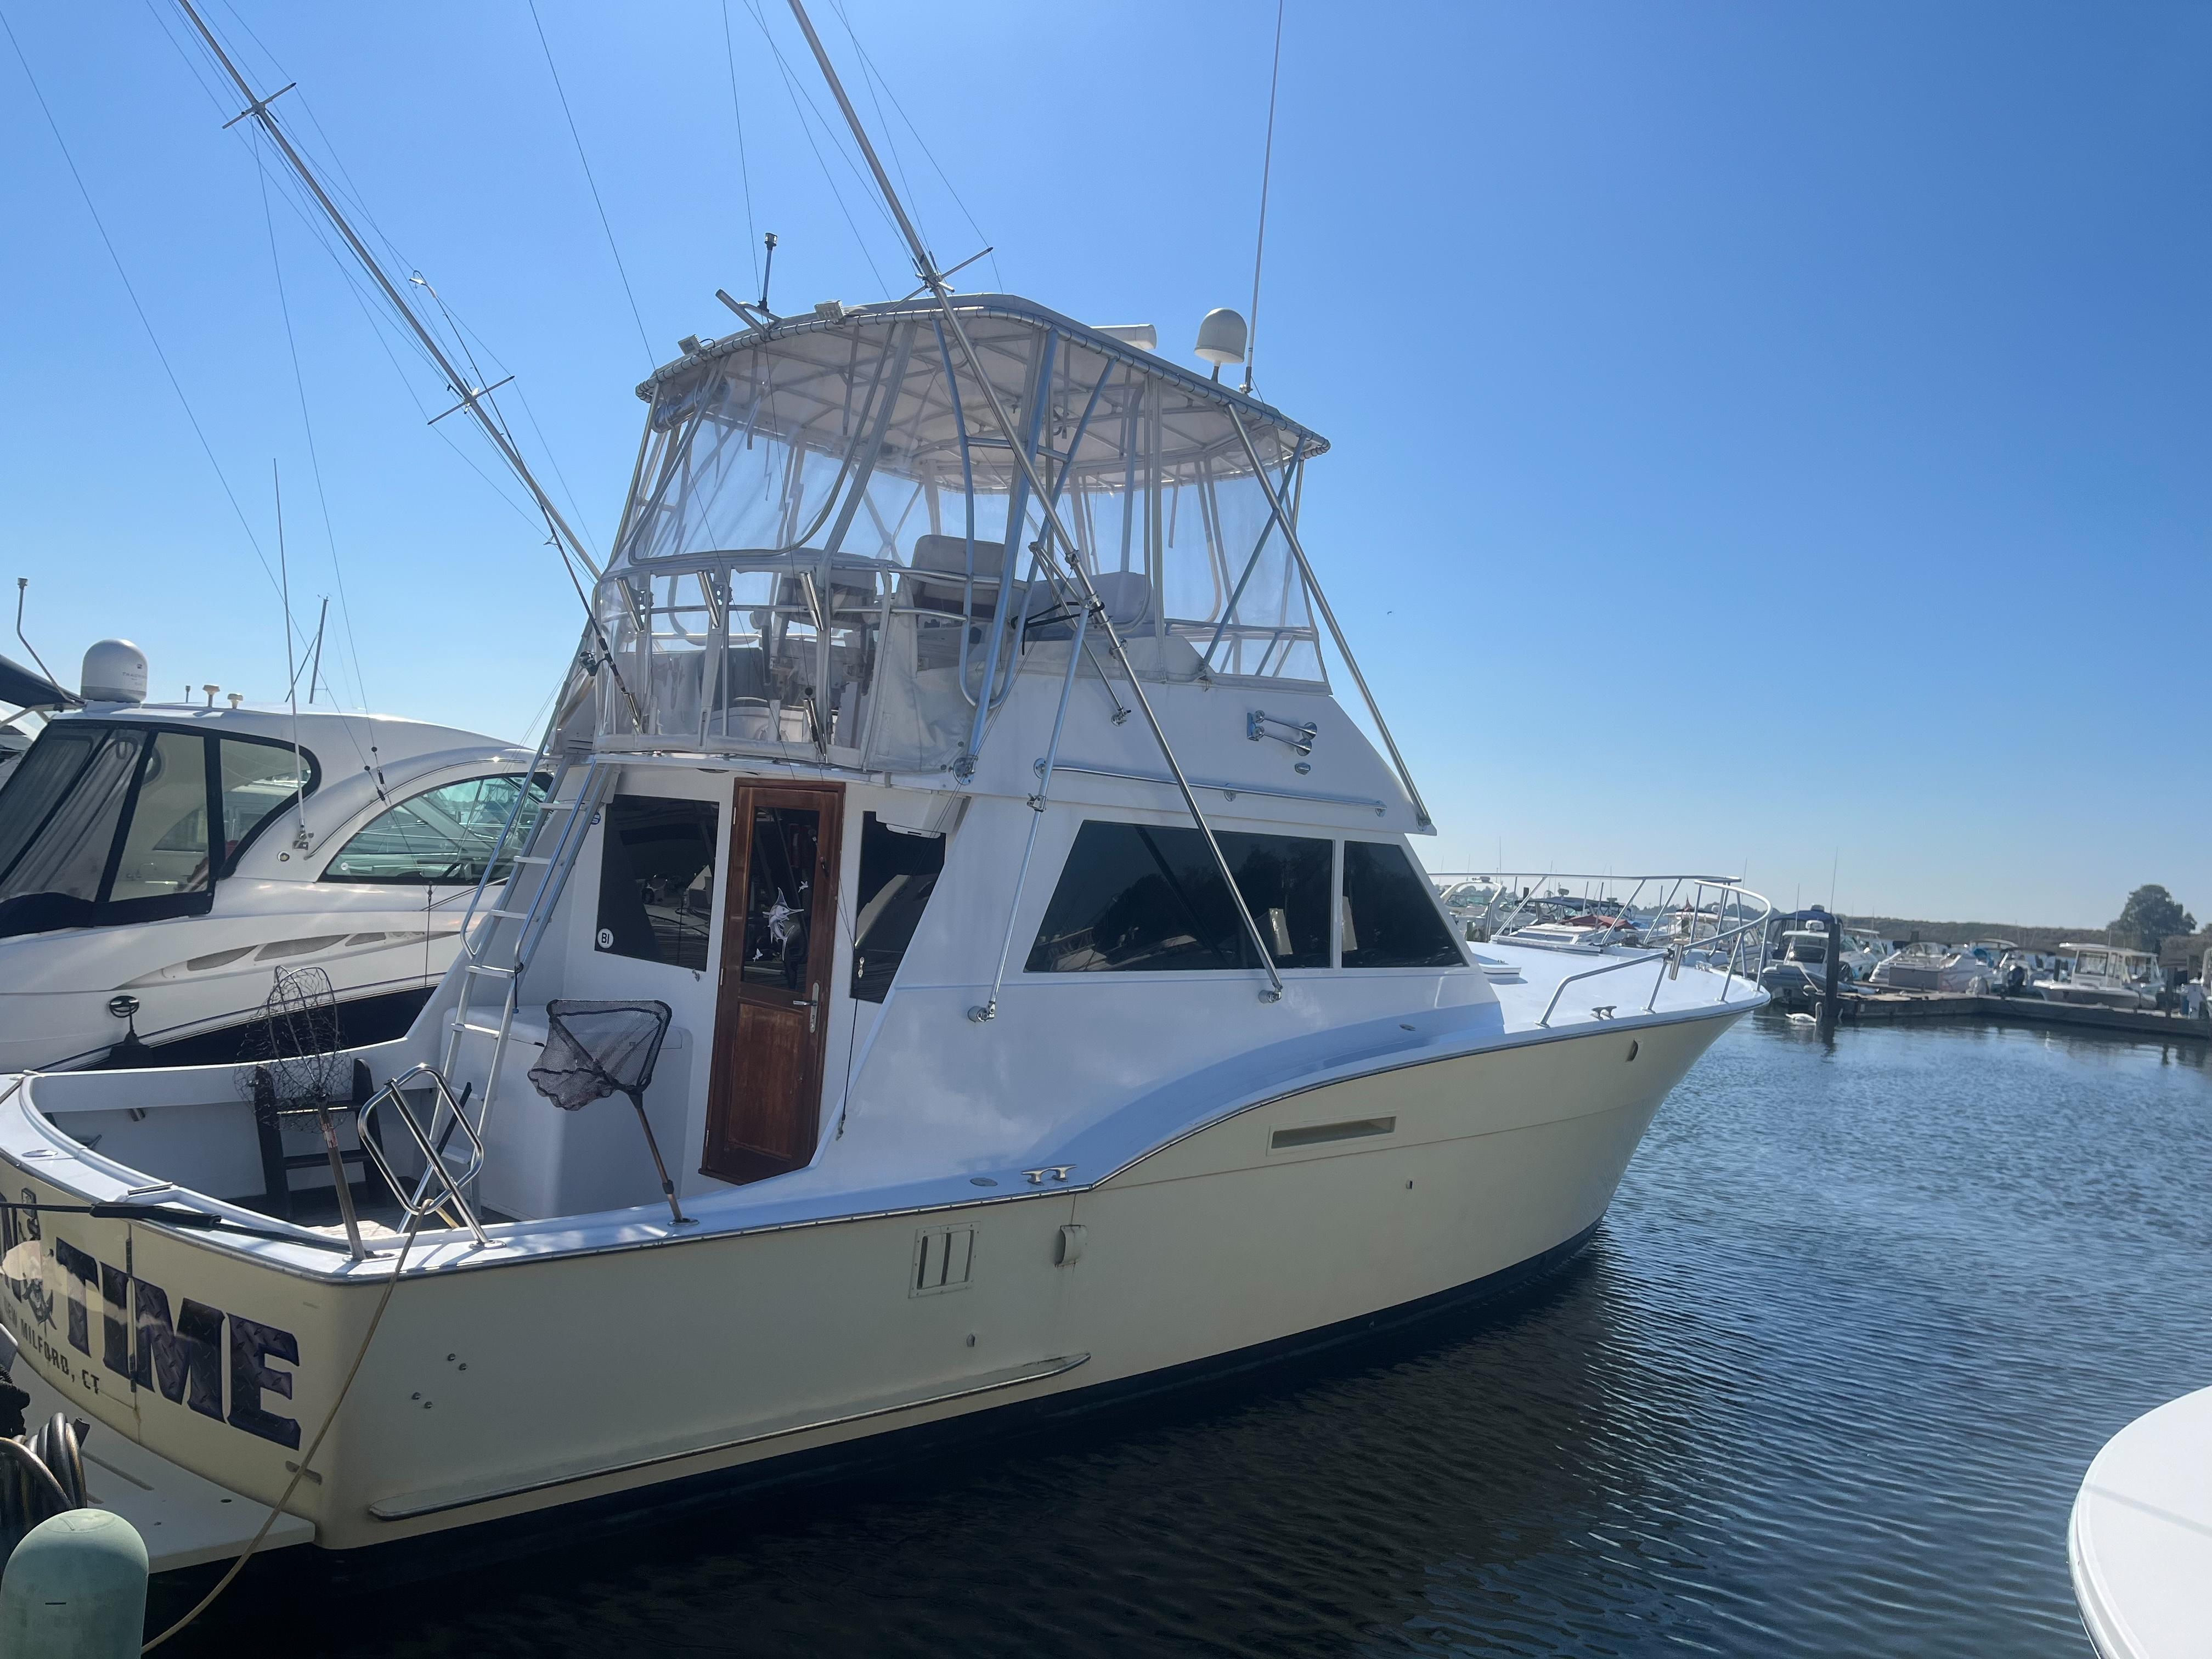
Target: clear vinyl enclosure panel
832, 545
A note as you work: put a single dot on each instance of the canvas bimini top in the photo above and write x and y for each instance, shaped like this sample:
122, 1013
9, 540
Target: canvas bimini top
829, 544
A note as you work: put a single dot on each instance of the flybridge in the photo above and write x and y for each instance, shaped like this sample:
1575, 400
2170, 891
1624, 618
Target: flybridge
830, 544
1106, 343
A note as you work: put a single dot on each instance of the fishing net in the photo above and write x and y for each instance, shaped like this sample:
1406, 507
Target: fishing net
594, 1049
295, 1042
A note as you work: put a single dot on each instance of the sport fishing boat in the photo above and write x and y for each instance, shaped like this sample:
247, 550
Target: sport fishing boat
863, 812
130, 935
1008, 951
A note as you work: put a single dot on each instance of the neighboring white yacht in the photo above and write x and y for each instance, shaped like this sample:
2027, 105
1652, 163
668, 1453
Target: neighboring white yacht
2106, 976
1925, 966
131, 936
1863, 952
1049, 1005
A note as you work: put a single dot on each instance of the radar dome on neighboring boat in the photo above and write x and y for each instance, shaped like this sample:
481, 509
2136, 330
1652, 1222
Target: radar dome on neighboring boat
114, 671
1221, 337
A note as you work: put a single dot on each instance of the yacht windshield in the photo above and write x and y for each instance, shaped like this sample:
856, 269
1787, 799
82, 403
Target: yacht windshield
104, 823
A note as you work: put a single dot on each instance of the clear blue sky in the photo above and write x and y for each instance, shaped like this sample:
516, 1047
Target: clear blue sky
1766, 436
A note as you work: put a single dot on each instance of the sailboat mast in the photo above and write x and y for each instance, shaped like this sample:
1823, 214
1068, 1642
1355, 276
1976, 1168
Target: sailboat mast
472, 396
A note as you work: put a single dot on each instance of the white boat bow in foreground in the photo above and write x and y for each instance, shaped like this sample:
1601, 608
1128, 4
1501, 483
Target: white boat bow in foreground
2139, 1541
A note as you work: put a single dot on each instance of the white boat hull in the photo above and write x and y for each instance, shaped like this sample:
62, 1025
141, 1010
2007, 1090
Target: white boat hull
681, 1357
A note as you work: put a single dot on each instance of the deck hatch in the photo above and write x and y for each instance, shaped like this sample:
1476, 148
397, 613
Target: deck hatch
1320, 1134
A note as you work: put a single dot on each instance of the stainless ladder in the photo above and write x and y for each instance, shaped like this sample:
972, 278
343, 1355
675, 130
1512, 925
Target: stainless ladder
498, 941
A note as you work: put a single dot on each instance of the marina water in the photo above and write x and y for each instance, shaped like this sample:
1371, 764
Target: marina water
1826, 1383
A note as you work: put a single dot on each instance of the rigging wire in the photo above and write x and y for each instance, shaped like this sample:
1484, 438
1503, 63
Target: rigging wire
314, 460
890, 138
868, 63
1267, 168
145, 322
635, 316
427, 343
583, 524
744, 173
803, 101
463, 334
382, 327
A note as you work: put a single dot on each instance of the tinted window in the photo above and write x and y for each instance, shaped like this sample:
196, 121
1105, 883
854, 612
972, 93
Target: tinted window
898, 873
780, 895
165, 849
1390, 912
68, 858
442, 836
65, 804
657, 879
1136, 897
259, 781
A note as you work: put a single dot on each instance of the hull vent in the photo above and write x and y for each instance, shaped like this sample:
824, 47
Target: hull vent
1320, 1134
943, 1257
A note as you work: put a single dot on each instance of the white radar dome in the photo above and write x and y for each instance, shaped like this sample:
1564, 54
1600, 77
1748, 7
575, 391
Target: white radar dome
1221, 337
114, 671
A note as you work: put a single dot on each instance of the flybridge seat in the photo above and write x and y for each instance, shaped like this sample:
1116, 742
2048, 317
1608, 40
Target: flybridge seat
1126, 595
927, 589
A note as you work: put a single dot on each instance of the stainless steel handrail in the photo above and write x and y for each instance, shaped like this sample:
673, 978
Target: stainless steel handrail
1752, 910
1551, 1007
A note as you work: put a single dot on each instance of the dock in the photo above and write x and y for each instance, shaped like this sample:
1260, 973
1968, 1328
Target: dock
1868, 1007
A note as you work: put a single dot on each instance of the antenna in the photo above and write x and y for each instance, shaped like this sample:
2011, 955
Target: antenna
315, 672
473, 396
1267, 168
291, 673
22, 587
767, 270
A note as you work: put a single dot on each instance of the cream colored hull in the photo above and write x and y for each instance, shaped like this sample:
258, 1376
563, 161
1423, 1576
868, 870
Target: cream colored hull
493, 1391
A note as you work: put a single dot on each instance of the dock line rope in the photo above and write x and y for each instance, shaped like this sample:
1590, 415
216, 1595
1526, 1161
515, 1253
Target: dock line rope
306, 1458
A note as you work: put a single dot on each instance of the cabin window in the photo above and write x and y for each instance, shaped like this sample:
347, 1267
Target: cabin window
103, 822
65, 803
259, 781
657, 879
1388, 913
165, 849
441, 837
898, 873
1138, 897
787, 843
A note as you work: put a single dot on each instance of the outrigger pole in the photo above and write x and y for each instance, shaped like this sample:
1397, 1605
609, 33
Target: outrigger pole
471, 396
926, 269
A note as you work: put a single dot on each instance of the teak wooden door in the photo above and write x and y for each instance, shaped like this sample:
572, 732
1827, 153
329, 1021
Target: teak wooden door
772, 1006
